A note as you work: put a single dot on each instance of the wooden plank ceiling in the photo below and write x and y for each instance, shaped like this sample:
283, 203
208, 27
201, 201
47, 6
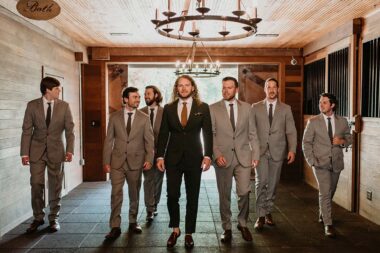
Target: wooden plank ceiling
297, 22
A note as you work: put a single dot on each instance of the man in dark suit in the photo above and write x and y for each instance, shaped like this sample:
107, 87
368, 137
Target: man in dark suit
153, 177
324, 137
180, 152
128, 150
45, 120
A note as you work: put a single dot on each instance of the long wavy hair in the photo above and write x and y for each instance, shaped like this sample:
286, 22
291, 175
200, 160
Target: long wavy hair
194, 94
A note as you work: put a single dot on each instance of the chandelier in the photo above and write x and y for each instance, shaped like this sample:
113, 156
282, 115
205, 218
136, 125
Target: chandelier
208, 68
247, 24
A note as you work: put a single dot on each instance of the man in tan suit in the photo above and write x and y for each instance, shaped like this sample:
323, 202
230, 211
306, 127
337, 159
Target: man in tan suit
324, 137
42, 146
153, 177
128, 150
278, 141
235, 151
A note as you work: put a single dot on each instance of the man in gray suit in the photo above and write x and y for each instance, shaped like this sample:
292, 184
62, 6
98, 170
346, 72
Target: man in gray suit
278, 141
324, 137
128, 150
235, 151
45, 120
153, 178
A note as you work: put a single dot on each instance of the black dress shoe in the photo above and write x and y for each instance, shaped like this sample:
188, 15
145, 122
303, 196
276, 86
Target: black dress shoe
149, 217
33, 227
259, 224
54, 226
226, 236
113, 234
330, 231
269, 220
189, 242
245, 233
135, 228
320, 219
173, 239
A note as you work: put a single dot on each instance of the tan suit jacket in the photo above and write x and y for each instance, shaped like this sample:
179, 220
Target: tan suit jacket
281, 136
36, 137
157, 122
244, 141
316, 144
135, 148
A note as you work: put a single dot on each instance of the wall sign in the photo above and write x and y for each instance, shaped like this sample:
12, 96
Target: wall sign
38, 9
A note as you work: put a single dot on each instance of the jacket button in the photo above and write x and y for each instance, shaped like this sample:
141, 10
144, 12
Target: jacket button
233, 149
127, 142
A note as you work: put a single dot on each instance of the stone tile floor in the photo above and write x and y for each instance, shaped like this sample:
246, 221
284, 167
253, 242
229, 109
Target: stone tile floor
85, 213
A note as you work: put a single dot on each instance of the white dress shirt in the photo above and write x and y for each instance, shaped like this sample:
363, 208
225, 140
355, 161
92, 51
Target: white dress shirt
274, 106
126, 116
154, 111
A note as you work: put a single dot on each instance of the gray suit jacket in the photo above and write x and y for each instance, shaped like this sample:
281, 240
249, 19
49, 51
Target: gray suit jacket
36, 137
281, 136
316, 144
244, 141
157, 122
135, 148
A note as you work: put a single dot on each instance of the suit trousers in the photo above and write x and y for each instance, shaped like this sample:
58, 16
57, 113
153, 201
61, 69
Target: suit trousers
224, 177
37, 182
158, 180
327, 182
152, 188
118, 177
268, 174
192, 177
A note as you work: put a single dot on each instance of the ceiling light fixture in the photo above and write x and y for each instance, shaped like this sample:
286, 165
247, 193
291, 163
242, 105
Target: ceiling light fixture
208, 68
248, 24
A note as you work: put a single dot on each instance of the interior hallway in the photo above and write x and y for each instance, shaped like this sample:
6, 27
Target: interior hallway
85, 213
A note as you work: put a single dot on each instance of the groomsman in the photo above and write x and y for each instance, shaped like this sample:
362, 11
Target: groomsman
153, 178
324, 137
128, 150
236, 151
42, 147
278, 141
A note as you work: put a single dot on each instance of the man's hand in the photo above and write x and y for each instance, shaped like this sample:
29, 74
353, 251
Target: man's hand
291, 157
254, 163
206, 163
68, 157
161, 165
25, 160
338, 141
221, 161
147, 166
107, 168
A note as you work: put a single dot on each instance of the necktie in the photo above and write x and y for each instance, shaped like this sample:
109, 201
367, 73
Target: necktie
151, 116
129, 122
232, 116
330, 128
184, 115
270, 114
48, 115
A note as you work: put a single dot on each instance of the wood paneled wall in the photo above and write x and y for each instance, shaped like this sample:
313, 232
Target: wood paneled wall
23, 53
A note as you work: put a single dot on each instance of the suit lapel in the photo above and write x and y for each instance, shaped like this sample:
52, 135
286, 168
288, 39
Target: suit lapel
192, 113
134, 126
157, 123
276, 112
123, 123
174, 108
324, 126
239, 117
41, 111
265, 112
55, 111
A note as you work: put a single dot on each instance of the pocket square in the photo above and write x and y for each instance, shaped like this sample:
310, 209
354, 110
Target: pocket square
197, 114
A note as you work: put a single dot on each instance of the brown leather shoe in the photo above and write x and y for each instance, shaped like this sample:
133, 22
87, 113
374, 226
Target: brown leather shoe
113, 234
135, 228
226, 237
173, 239
33, 227
320, 219
245, 233
189, 242
269, 220
330, 231
54, 226
149, 217
259, 224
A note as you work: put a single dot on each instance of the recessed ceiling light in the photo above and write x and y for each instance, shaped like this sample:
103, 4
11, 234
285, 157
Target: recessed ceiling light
120, 34
267, 34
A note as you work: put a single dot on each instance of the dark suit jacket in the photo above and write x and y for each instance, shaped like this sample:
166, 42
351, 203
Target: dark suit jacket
183, 144
36, 137
157, 123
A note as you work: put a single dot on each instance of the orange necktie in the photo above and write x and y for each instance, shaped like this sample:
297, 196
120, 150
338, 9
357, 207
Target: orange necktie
184, 115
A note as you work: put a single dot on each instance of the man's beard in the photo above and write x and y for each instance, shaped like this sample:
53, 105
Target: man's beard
149, 102
229, 98
190, 94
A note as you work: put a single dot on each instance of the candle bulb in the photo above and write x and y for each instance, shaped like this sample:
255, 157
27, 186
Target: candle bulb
156, 14
169, 3
238, 5
203, 3
224, 26
254, 12
193, 26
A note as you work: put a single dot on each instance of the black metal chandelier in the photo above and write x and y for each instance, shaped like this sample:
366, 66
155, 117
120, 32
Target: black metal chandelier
248, 25
208, 68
